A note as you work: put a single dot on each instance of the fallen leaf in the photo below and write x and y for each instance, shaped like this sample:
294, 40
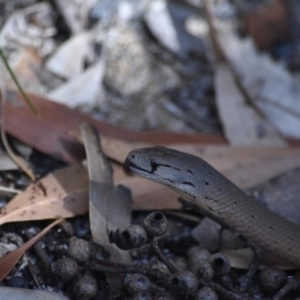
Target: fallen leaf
100, 184
9, 261
282, 195
243, 122
147, 195
241, 259
273, 88
66, 196
246, 167
109, 207
84, 89
26, 294
23, 65
6, 163
60, 123
76, 16
65, 65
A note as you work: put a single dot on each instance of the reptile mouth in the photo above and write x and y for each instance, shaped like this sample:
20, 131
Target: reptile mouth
130, 168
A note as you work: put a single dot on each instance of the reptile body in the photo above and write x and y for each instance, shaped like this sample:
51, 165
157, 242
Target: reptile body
197, 181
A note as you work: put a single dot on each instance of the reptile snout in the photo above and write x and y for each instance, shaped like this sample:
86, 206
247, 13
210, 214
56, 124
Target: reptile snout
126, 166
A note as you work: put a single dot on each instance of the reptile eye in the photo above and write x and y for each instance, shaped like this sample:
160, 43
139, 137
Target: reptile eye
154, 166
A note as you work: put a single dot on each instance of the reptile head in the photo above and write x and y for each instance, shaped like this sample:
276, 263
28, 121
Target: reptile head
167, 166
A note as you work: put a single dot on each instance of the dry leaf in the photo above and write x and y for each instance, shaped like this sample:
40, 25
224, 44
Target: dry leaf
24, 65
6, 163
101, 184
244, 123
22, 25
25, 294
275, 90
239, 259
84, 89
65, 65
60, 124
9, 261
246, 167
147, 195
75, 14
66, 196
282, 195
109, 208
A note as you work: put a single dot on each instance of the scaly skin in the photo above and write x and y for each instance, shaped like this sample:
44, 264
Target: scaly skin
197, 181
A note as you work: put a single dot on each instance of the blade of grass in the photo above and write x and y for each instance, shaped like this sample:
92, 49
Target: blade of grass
13, 76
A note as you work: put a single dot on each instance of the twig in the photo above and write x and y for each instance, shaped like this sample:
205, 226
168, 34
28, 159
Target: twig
18, 160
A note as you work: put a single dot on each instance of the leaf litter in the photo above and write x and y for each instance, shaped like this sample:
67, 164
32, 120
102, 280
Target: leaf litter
65, 195
245, 166
9, 261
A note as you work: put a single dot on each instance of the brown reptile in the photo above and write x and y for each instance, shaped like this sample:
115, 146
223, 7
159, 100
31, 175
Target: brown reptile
197, 181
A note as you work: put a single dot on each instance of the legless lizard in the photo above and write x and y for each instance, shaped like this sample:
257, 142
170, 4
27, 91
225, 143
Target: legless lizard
197, 181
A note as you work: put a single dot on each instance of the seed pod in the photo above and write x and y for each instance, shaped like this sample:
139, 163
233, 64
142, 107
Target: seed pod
85, 287
185, 283
206, 293
135, 283
196, 254
141, 296
64, 269
271, 280
132, 237
180, 263
220, 264
164, 296
203, 269
78, 249
156, 224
